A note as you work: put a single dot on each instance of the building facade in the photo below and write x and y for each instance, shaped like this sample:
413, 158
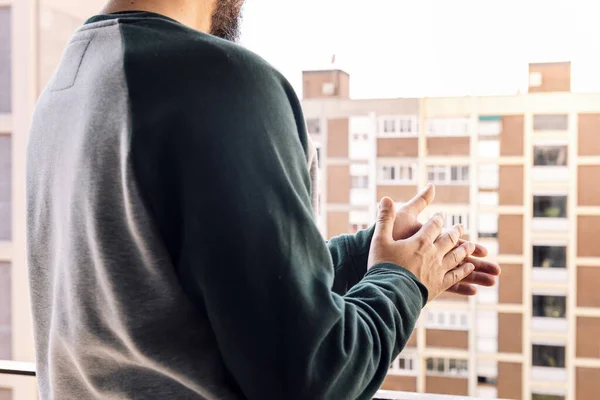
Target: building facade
521, 173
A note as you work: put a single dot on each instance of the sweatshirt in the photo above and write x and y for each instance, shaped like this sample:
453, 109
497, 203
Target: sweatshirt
172, 242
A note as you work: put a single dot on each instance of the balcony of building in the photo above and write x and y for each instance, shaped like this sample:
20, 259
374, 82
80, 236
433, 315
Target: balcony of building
26, 371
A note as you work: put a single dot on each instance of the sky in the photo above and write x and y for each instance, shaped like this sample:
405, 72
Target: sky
413, 48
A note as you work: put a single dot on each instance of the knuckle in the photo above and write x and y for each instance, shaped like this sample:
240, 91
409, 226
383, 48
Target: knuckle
423, 240
455, 257
455, 276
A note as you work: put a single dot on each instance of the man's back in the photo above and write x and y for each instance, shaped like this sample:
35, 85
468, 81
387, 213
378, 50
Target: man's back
105, 292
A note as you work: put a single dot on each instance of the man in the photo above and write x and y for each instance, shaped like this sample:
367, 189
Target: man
172, 244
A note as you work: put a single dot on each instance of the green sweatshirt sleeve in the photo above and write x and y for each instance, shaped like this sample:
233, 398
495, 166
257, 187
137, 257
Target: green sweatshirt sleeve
219, 153
350, 254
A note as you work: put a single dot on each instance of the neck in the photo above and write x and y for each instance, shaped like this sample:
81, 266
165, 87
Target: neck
194, 13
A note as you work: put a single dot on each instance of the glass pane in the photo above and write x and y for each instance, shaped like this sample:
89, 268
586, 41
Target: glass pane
548, 356
440, 364
559, 122
5, 188
313, 125
431, 174
430, 364
5, 312
465, 173
454, 176
550, 155
5, 60
550, 306
550, 256
536, 396
401, 363
550, 206
452, 366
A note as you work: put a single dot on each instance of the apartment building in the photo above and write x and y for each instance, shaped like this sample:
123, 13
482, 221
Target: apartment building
521, 172
32, 38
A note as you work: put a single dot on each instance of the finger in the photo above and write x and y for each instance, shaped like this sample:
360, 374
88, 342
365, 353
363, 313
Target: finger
449, 238
480, 279
463, 289
485, 266
432, 228
421, 200
458, 255
480, 250
457, 274
385, 219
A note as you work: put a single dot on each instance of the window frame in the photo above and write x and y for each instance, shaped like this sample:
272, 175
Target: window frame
563, 147
563, 209
398, 173
562, 261
448, 127
452, 367
451, 320
398, 126
443, 174
542, 306
534, 358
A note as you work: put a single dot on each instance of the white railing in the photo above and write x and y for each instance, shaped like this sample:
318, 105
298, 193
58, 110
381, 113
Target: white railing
392, 395
28, 369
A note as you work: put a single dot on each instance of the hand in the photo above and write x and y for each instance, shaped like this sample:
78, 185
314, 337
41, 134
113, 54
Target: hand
407, 224
432, 257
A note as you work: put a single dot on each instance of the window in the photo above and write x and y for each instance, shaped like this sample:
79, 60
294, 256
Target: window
328, 89
358, 227
448, 126
549, 257
5, 188
447, 319
5, 60
548, 356
550, 206
558, 122
538, 396
549, 306
397, 173
487, 225
389, 126
535, 79
550, 155
360, 182
458, 218
319, 157
398, 126
5, 312
446, 174
447, 366
313, 125
404, 365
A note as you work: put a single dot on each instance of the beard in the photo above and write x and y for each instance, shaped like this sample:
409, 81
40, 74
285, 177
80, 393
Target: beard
226, 19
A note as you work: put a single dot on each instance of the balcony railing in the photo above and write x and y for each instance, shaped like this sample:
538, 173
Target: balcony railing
28, 369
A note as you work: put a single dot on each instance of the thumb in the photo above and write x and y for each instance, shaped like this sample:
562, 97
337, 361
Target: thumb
385, 219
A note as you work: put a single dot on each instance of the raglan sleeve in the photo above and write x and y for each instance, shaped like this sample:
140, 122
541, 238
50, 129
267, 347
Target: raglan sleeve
248, 251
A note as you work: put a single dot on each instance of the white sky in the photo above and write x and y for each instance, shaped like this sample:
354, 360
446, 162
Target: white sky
404, 48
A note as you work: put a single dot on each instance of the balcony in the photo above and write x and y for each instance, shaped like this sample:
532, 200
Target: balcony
28, 370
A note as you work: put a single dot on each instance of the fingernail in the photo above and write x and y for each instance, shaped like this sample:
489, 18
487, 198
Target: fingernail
471, 247
428, 186
471, 267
